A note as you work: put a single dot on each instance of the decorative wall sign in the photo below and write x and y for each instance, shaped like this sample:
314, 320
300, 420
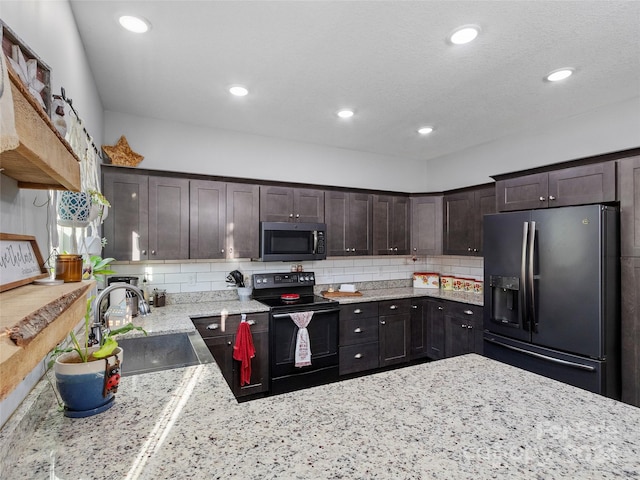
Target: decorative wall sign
20, 261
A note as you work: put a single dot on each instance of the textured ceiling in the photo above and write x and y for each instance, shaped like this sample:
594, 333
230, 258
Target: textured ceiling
389, 60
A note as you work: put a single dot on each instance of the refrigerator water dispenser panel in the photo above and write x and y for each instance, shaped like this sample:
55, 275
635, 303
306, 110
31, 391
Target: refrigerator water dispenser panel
505, 292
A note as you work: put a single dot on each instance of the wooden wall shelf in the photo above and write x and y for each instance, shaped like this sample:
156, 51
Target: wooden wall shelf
43, 159
59, 307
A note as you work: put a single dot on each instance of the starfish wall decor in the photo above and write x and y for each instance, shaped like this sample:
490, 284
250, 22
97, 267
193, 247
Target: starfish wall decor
121, 153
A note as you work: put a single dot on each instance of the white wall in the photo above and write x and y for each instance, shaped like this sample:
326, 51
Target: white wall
611, 128
176, 146
49, 29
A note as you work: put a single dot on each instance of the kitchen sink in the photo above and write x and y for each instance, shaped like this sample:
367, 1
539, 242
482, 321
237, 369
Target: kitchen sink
163, 352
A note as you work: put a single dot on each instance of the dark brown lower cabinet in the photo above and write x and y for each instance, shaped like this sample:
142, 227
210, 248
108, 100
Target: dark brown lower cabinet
358, 337
630, 328
463, 329
220, 341
435, 329
394, 318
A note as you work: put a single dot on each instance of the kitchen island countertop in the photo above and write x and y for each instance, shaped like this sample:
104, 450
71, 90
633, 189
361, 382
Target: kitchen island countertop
463, 417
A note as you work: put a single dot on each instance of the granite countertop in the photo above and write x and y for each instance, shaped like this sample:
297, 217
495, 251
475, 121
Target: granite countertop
463, 417
410, 292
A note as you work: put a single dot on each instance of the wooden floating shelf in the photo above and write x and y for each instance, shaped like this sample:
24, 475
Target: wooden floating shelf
43, 159
59, 307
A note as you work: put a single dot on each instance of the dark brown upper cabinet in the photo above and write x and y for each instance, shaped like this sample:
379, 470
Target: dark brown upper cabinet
629, 194
286, 204
581, 185
391, 225
463, 215
426, 225
348, 216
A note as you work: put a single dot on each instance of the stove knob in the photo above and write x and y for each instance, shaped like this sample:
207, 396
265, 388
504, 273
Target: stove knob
311, 278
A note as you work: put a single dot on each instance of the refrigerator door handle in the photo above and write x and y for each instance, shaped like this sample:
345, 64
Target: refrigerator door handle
543, 357
523, 310
532, 294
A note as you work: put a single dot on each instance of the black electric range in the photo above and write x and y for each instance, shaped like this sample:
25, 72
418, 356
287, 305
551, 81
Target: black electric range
287, 293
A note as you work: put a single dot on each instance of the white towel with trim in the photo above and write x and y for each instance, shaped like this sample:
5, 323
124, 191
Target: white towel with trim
303, 347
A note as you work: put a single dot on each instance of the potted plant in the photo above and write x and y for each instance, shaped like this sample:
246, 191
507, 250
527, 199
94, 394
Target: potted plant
97, 266
87, 377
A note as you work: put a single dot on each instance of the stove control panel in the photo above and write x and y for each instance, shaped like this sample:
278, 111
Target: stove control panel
284, 280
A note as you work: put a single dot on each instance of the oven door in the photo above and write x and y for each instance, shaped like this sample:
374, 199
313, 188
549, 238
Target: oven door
323, 339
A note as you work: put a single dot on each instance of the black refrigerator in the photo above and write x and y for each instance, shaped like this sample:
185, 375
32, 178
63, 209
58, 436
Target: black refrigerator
551, 299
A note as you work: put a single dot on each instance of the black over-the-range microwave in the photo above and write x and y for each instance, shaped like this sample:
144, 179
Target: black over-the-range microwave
292, 242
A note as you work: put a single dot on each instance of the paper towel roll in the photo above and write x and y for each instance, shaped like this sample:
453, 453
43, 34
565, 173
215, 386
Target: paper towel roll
117, 297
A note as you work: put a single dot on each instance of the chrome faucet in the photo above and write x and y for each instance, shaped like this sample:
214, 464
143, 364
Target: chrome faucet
99, 325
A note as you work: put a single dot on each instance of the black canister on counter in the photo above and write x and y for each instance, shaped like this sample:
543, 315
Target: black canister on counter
159, 297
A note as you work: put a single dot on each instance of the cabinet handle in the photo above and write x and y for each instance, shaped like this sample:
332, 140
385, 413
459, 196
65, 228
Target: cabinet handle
463, 325
414, 306
213, 326
357, 310
357, 355
382, 322
357, 330
440, 307
469, 326
393, 307
551, 197
468, 312
542, 199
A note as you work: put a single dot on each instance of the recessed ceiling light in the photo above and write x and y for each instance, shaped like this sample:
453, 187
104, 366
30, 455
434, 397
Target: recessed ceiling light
134, 24
464, 34
238, 91
559, 74
345, 113
425, 130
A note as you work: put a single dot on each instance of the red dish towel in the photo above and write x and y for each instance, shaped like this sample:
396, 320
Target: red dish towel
303, 346
243, 351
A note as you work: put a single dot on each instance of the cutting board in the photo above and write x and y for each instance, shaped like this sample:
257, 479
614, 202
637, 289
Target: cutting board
340, 294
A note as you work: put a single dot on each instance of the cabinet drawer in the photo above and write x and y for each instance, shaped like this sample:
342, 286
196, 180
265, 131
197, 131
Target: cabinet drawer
213, 326
465, 310
358, 310
358, 330
394, 307
358, 358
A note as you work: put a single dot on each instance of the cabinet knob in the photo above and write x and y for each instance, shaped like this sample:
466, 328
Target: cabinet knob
464, 325
357, 330
291, 215
468, 249
357, 310
542, 199
440, 307
395, 249
251, 322
391, 249
144, 252
415, 249
213, 326
414, 306
348, 249
297, 215
229, 343
222, 251
551, 197
393, 307
468, 312
153, 252
469, 326
230, 249
382, 322
357, 355
475, 249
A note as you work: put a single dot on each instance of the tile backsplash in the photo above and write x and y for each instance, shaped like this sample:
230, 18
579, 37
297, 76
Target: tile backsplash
190, 276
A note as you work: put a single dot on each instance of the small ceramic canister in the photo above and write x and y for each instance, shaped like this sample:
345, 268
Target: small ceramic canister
469, 284
446, 282
458, 284
477, 286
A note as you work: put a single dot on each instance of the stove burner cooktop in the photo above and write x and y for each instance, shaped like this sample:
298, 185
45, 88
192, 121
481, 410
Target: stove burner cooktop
303, 300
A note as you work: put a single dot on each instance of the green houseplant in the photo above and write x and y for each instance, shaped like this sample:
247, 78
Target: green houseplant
87, 377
